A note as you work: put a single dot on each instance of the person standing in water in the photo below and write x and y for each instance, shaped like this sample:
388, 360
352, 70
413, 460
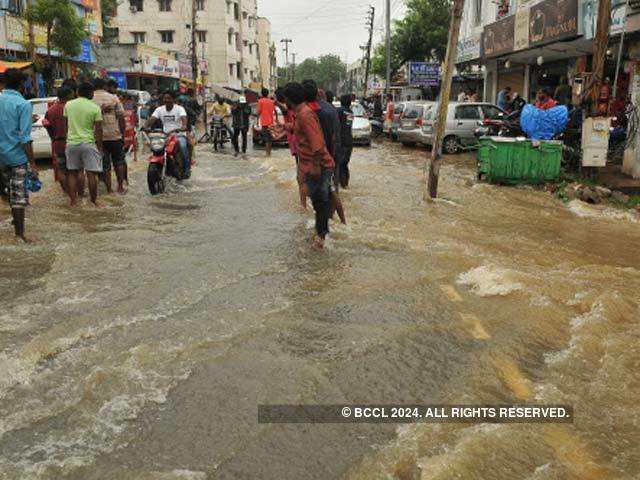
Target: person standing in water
315, 163
267, 115
16, 147
345, 114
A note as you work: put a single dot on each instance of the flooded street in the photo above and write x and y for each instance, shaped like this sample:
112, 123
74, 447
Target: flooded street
136, 341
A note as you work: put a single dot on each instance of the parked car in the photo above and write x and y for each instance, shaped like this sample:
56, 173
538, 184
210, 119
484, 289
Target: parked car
462, 122
411, 121
278, 132
41, 140
395, 124
361, 131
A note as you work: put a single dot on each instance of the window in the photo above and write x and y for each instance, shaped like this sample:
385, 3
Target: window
252, 75
139, 37
413, 111
12, 6
136, 5
236, 11
467, 112
251, 48
491, 112
202, 36
477, 11
165, 5
166, 36
228, 7
231, 36
200, 5
231, 70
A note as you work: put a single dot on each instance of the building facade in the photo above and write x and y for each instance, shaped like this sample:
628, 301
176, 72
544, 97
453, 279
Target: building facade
225, 34
268, 68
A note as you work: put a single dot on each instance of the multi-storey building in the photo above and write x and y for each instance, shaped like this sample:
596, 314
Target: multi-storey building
225, 33
268, 74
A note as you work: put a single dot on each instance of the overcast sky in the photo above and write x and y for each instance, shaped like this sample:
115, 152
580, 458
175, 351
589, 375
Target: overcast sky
324, 26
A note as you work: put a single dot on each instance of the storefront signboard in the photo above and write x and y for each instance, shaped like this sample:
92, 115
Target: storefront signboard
590, 17
424, 74
158, 62
522, 29
552, 21
469, 49
498, 38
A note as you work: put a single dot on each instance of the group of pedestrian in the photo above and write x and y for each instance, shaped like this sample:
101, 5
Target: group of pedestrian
86, 126
320, 139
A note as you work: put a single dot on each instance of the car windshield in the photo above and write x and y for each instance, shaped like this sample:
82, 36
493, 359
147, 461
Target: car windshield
413, 111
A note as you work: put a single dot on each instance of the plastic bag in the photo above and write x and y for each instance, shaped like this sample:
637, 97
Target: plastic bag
543, 124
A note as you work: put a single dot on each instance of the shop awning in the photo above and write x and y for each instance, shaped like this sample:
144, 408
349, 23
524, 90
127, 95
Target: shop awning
4, 66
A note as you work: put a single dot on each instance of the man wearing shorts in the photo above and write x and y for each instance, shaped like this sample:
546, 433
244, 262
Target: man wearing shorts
84, 142
113, 134
267, 115
16, 146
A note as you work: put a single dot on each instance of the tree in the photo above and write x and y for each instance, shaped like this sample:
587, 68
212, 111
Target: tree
421, 35
64, 31
326, 70
109, 9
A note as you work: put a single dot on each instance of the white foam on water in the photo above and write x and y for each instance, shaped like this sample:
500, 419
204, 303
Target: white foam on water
489, 280
586, 210
178, 474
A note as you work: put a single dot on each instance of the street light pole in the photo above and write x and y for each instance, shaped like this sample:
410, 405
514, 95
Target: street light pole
388, 41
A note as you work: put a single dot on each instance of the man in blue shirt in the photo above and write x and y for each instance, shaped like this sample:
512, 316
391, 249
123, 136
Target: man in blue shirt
16, 147
503, 97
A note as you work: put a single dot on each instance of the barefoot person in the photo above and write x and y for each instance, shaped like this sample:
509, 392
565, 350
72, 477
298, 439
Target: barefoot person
113, 128
315, 163
16, 147
84, 142
266, 111
56, 125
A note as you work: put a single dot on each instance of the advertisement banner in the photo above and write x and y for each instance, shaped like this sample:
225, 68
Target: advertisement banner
498, 38
590, 17
522, 29
158, 62
119, 77
424, 74
469, 49
18, 32
552, 21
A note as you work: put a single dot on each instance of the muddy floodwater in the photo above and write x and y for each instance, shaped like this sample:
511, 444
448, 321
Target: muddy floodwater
137, 341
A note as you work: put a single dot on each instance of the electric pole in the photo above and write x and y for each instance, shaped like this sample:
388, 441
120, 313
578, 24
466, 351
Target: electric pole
286, 42
370, 18
241, 76
445, 93
387, 88
601, 42
32, 49
194, 46
293, 67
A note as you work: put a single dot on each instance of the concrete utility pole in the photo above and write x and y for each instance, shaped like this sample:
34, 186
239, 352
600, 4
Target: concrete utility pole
286, 42
372, 15
241, 73
387, 88
445, 93
32, 48
194, 45
601, 41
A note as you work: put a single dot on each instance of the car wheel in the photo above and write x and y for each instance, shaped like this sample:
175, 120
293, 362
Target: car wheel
451, 145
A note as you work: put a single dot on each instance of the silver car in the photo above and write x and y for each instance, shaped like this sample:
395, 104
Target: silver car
462, 121
361, 129
395, 123
411, 120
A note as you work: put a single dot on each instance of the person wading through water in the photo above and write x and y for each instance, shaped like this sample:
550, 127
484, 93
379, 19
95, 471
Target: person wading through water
315, 164
330, 124
345, 114
16, 146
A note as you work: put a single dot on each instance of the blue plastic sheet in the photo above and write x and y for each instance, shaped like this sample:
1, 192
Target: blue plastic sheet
543, 124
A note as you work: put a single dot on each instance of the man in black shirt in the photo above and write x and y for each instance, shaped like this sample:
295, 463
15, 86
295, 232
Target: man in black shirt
241, 114
345, 115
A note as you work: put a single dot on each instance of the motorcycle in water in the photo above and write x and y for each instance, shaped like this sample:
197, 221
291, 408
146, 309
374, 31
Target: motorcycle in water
166, 160
503, 126
219, 132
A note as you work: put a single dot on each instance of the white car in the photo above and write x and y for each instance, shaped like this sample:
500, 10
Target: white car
41, 140
361, 129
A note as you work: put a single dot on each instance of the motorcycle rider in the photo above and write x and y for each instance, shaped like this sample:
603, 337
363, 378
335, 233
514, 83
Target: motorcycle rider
173, 118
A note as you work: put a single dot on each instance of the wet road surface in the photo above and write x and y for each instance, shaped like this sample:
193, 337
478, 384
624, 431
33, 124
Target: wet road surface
136, 341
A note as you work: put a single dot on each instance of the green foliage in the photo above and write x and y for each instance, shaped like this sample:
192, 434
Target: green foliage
65, 29
421, 35
326, 70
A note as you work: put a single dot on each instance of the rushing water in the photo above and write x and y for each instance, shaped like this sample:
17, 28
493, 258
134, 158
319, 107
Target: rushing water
136, 341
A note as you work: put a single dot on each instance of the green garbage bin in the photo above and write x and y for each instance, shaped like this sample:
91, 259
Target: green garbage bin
514, 161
